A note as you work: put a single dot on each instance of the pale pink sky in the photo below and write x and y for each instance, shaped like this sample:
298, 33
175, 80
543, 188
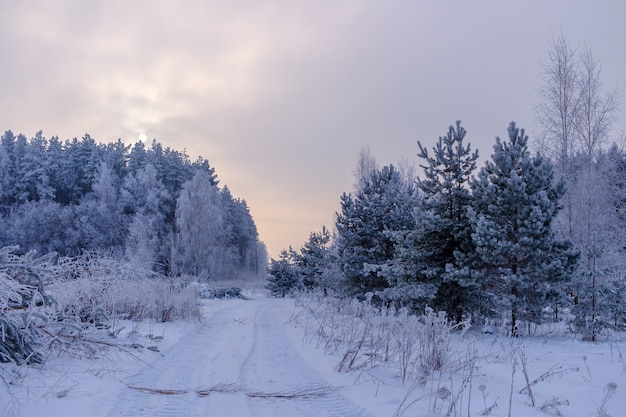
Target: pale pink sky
280, 96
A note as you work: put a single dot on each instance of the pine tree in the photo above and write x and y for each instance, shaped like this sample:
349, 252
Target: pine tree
366, 226
138, 157
315, 260
34, 170
283, 274
515, 201
241, 235
440, 247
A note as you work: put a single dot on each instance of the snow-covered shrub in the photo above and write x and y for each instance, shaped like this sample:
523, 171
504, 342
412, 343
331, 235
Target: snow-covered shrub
63, 305
433, 335
18, 339
363, 341
30, 272
599, 309
205, 291
404, 332
21, 289
174, 300
97, 287
22, 280
365, 335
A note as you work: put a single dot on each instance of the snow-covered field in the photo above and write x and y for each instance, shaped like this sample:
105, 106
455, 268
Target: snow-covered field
259, 357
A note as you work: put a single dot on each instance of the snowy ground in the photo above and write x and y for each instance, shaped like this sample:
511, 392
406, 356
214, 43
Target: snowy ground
252, 358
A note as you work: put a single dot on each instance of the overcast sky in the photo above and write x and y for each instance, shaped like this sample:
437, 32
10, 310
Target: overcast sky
280, 96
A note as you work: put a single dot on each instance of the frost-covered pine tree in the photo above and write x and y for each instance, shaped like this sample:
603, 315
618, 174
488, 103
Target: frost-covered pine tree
241, 236
515, 202
440, 247
315, 260
284, 276
366, 225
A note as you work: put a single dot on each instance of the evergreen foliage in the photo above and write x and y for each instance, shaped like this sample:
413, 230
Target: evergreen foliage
77, 195
475, 247
366, 226
315, 262
284, 277
608, 219
241, 251
515, 200
313, 267
439, 249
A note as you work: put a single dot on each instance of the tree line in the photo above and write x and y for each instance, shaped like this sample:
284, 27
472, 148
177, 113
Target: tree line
536, 234
149, 205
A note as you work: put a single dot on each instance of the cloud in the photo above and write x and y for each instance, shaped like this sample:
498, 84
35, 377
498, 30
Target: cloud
281, 96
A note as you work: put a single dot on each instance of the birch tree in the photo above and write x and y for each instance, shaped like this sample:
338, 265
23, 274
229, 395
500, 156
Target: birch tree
199, 227
558, 113
576, 115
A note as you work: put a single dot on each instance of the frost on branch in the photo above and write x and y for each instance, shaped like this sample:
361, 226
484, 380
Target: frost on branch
90, 291
22, 280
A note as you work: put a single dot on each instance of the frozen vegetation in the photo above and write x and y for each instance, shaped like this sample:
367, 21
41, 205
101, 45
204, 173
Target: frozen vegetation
133, 284
314, 355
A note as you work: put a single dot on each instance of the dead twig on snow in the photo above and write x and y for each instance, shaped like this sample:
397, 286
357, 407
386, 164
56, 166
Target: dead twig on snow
159, 390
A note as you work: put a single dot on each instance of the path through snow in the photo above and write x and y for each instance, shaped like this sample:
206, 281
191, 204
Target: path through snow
240, 362
259, 358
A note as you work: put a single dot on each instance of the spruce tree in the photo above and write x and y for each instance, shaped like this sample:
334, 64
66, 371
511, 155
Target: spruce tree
515, 202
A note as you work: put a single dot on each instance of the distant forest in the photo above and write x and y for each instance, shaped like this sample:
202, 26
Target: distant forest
149, 205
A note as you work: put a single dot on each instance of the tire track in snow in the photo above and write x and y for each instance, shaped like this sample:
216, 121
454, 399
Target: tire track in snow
211, 356
243, 349
274, 366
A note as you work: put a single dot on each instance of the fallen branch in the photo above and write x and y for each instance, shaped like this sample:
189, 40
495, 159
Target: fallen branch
159, 390
311, 393
87, 345
233, 389
221, 388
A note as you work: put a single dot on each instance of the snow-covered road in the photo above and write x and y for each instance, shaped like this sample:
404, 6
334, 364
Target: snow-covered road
263, 357
239, 362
